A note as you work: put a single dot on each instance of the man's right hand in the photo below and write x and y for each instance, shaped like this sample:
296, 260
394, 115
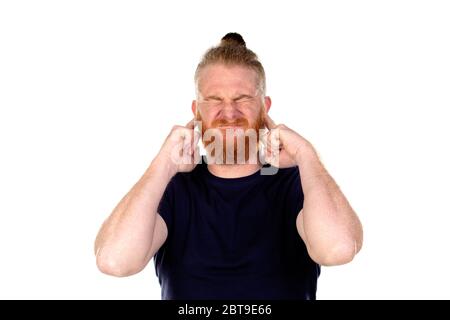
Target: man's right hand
134, 232
180, 151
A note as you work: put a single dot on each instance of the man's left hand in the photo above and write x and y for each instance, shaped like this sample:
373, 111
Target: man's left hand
284, 146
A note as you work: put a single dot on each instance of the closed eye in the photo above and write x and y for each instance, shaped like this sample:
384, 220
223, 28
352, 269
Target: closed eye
243, 98
213, 98
212, 101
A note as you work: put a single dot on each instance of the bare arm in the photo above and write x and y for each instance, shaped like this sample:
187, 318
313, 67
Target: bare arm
134, 232
327, 223
123, 245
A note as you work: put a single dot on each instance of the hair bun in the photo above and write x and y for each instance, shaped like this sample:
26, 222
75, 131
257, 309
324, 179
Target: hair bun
232, 39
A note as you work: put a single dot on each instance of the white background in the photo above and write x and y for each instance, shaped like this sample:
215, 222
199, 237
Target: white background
90, 89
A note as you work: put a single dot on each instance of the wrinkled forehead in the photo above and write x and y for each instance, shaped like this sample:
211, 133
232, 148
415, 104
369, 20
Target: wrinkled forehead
222, 80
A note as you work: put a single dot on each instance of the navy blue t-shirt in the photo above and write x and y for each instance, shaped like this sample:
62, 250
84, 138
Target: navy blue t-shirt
234, 238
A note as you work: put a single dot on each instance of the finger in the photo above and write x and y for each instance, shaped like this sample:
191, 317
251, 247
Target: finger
185, 133
270, 156
191, 124
274, 136
188, 137
192, 142
269, 122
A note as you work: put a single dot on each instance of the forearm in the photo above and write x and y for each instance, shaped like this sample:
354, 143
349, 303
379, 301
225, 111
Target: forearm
125, 238
332, 228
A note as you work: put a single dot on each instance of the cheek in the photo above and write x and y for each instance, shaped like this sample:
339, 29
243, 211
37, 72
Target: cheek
210, 115
254, 114
206, 120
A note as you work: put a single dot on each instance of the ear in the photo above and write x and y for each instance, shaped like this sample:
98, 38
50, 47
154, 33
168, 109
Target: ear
267, 103
194, 108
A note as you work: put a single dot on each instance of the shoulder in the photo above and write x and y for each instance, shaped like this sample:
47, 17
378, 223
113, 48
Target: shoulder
284, 181
184, 179
290, 179
291, 174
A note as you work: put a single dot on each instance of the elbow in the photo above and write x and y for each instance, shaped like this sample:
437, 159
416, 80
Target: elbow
337, 254
340, 250
115, 266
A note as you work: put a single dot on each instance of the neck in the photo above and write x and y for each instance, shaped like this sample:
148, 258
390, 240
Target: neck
233, 170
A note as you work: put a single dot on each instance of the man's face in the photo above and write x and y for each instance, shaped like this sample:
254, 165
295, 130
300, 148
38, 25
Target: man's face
228, 100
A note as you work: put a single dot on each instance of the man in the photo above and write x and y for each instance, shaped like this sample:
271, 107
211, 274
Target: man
228, 228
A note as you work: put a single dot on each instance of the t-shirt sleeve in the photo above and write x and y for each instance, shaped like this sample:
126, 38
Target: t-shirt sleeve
294, 201
166, 204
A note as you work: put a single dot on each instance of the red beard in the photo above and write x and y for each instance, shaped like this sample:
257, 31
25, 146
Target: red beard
230, 144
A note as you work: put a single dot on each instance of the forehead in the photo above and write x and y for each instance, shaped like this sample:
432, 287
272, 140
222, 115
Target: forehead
222, 79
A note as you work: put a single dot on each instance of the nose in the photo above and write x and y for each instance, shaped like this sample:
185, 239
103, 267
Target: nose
230, 111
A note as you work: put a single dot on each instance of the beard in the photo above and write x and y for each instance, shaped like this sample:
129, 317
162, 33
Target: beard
238, 145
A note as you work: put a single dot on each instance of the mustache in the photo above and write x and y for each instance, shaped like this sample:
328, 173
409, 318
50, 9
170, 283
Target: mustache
239, 122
